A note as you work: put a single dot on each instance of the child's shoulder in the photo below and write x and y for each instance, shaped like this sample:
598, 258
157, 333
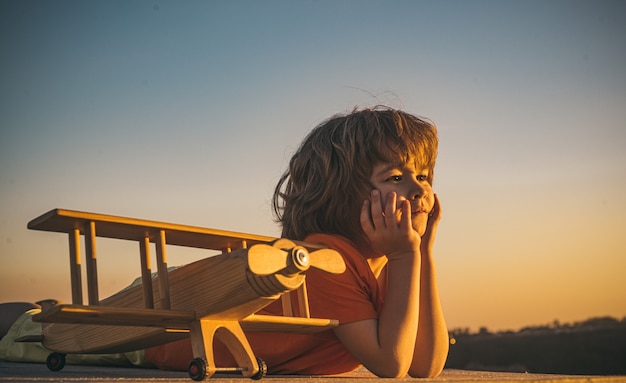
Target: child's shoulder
351, 253
333, 241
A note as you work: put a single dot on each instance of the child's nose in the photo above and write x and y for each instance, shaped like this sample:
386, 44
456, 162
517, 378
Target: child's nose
418, 192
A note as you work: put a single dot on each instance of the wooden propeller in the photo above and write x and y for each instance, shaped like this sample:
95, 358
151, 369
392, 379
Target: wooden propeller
265, 259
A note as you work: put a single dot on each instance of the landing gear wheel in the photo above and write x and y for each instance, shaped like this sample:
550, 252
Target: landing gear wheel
55, 361
262, 370
197, 369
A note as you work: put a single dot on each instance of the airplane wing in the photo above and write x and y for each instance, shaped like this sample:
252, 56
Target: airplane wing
174, 320
110, 226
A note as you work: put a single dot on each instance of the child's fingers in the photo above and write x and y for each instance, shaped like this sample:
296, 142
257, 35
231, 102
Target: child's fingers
435, 213
391, 213
405, 223
433, 221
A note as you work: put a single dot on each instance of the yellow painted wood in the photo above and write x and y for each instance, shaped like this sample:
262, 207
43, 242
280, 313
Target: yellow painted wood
91, 262
218, 288
163, 278
71, 338
303, 301
285, 301
271, 323
109, 226
231, 335
171, 319
146, 273
75, 269
118, 316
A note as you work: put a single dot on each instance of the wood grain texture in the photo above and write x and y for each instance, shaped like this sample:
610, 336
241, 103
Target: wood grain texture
219, 288
207, 297
109, 226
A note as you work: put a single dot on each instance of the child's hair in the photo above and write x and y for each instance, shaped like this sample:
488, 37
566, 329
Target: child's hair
328, 177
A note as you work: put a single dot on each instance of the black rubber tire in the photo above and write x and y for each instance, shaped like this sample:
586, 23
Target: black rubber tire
197, 369
262, 370
55, 361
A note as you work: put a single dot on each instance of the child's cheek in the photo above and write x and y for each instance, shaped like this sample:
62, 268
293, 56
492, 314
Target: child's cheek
431, 195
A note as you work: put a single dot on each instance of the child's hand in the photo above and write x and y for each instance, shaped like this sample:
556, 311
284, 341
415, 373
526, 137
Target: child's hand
428, 239
389, 230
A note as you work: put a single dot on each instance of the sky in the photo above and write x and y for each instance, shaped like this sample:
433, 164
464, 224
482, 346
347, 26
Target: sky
188, 112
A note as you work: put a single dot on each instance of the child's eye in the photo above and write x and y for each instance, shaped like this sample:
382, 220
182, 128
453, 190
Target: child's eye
397, 178
422, 177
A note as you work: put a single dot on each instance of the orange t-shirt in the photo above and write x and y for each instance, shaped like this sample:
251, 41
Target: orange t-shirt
355, 295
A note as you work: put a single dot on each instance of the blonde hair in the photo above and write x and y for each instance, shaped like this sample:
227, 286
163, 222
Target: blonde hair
329, 175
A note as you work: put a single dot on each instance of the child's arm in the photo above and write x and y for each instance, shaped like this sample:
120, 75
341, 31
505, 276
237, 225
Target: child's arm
387, 346
432, 343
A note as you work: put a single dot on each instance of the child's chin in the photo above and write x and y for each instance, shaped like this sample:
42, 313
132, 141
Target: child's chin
420, 229
419, 225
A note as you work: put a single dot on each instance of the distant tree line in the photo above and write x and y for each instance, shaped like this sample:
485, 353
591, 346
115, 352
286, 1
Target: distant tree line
596, 346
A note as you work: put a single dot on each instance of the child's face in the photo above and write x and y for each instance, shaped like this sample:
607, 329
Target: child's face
410, 182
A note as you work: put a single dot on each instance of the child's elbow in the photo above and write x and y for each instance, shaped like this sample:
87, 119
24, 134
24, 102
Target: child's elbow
428, 369
395, 373
391, 369
425, 372
400, 370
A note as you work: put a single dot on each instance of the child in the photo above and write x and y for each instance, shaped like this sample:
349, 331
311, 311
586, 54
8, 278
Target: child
360, 184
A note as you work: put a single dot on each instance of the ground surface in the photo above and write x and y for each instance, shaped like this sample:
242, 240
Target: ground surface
33, 372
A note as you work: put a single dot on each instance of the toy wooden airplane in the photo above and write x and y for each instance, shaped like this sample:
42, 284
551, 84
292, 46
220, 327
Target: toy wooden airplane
217, 296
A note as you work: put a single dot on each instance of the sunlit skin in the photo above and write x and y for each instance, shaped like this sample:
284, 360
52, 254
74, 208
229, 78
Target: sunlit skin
404, 184
400, 220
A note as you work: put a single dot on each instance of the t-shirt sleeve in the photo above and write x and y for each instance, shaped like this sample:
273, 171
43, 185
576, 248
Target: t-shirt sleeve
348, 297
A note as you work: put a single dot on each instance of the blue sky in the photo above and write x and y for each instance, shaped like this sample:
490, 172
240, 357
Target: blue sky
188, 112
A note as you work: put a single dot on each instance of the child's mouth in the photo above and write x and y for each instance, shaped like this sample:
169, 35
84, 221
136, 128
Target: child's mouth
419, 211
